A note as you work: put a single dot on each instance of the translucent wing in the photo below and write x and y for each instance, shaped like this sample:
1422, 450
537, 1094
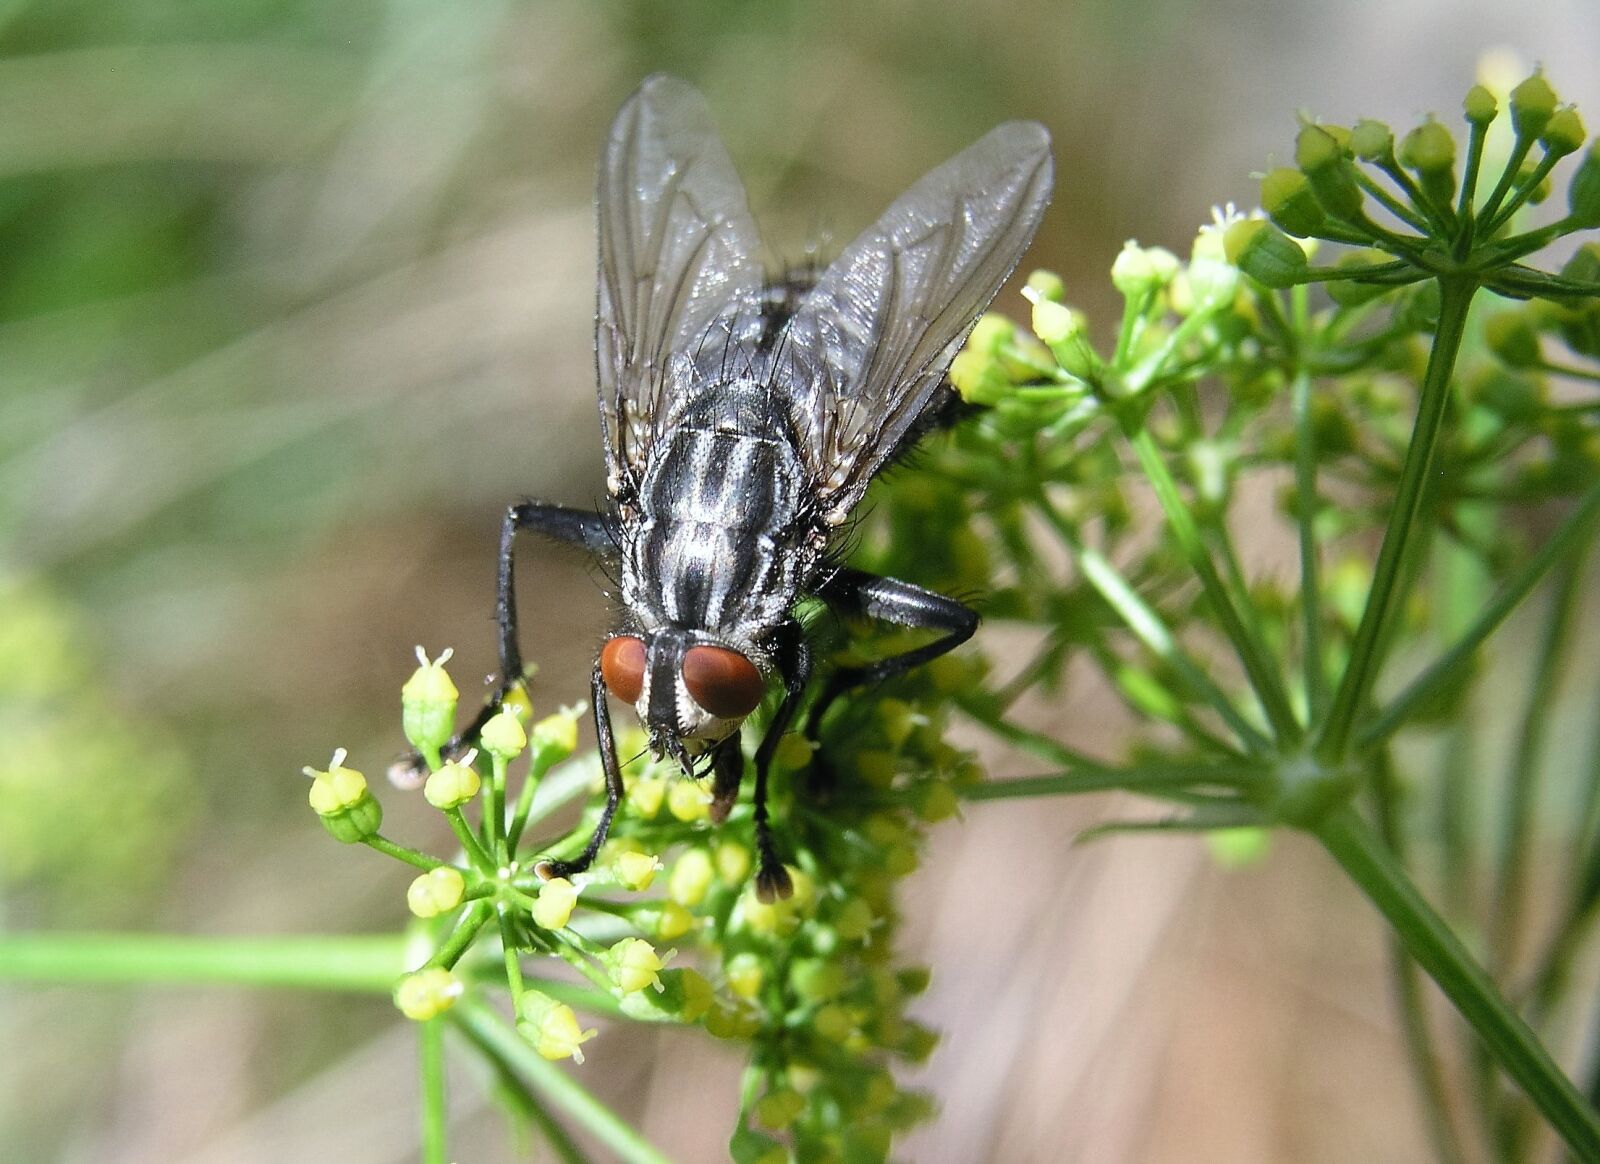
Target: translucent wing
868, 346
679, 266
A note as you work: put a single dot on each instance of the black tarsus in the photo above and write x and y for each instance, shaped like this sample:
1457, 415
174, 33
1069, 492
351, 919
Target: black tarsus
613, 772
793, 657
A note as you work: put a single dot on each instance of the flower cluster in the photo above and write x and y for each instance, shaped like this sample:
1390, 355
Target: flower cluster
667, 927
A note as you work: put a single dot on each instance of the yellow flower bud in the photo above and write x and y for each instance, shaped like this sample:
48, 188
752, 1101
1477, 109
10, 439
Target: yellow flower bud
504, 737
553, 907
635, 965
745, 975
436, 891
780, 1107
551, 1027
427, 993
690, 879
688, 801
454, 784
636, 870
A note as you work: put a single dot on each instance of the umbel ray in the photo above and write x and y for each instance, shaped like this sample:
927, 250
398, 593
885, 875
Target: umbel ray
743, 419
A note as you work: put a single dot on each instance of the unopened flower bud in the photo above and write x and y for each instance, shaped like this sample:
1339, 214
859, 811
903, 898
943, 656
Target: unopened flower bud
1372, 141
636, 870
551, 1027
428, 704
1265, 253
1287, 198
436, 891
1137, 271
1480, 105
733, 863
553, 907
553, 738
1583, 194
992, 332
454, 784
1428, 149
979, 377
341, 798
1322, 160
780, 1107
1564, 134
1533, 103
690, 879
504, 737
427, 993
688, 801
635, 965
1064, 332
1046, 285
745, 975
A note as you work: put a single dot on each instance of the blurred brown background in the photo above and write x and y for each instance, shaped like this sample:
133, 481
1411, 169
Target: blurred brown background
295, 296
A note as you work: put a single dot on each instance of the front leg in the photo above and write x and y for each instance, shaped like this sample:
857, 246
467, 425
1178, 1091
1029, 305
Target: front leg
794, 667
577, 527
855, 592
613, 772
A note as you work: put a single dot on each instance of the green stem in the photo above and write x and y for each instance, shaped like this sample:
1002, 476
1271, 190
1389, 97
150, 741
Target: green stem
487, 1028
435, 1116
369, 964
1526, 770
1305, 484
1419, 1036
1251, 651
1364, 857
1152, 779
1148, 628
410, 856
1446, 670
1355, 686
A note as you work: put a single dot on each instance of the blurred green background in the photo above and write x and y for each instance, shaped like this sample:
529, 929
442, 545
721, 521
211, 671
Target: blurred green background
296, 296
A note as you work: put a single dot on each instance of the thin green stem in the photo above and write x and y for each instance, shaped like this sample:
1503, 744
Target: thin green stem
1525, 189
1355, 686
1153, 779
1149, 629
449, 953
469, 841
410, 856
1519, 151
487, 1028
1527, 768
1419, 1037
515, 1096
1252, 653
1568, 538
1305, 485
363, 963
1368, 862
1476, 136
435, 1114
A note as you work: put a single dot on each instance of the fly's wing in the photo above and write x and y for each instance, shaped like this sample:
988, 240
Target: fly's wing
679, 267
869, 345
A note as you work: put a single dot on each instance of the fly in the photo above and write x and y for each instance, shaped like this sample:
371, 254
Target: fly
743, 420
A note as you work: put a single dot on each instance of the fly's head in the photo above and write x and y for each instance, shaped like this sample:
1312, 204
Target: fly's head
690, 690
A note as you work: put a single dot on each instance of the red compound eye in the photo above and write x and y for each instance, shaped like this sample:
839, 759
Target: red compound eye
723, 682
622, 662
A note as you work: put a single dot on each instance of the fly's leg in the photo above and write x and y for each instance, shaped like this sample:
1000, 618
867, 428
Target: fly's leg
727, 768
577, 527
794, 666
613, 771
855, 592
